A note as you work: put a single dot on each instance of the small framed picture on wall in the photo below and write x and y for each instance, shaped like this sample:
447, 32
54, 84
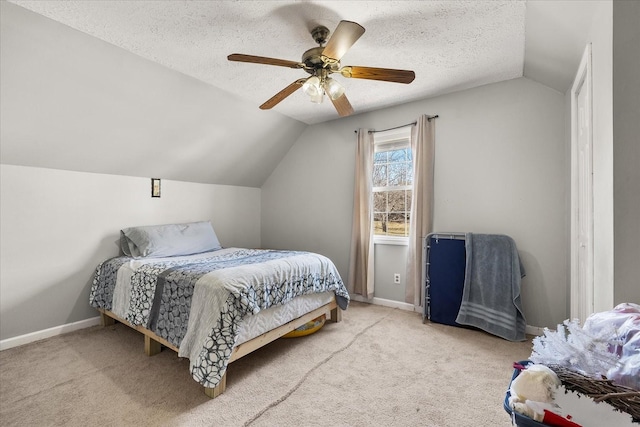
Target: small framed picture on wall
155, 187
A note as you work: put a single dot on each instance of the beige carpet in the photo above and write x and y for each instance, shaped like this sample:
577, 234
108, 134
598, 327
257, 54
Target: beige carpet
378, 367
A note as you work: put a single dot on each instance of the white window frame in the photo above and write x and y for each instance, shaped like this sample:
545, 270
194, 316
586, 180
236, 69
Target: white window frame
401, 138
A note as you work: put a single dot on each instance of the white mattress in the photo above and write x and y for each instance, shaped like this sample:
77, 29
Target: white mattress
257, 324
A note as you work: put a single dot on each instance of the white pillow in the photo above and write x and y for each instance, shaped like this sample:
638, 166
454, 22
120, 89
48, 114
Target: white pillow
157, 241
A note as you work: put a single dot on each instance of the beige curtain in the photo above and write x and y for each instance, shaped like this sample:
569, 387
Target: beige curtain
421, 222
361, 260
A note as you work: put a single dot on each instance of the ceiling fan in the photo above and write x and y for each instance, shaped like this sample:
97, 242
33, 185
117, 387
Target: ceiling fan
321, 62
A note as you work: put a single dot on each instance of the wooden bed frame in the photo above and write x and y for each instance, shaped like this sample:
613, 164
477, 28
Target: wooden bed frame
153, 343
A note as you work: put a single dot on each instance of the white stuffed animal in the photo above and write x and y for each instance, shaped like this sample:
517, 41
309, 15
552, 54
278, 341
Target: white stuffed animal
533, 391
537, 383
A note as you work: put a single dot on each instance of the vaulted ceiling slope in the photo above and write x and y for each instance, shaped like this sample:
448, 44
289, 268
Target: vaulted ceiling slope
144, 87
73, 102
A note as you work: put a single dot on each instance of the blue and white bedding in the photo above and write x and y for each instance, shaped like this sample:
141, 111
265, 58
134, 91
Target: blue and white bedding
197, 302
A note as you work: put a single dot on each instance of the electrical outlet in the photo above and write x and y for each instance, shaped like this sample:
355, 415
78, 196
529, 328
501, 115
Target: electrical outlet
396, 278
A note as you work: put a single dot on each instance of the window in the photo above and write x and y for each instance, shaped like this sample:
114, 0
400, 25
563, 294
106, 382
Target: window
392, 184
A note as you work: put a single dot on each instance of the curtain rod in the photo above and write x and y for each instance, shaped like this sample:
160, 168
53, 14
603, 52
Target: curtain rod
401, 126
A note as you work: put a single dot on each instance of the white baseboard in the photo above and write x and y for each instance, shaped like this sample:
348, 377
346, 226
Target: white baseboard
530, 330
534, 330
387, 303
48, 333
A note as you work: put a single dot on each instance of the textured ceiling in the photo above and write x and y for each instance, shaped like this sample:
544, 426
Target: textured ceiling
451, 45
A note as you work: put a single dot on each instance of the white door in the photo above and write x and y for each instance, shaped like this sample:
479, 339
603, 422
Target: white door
582, 192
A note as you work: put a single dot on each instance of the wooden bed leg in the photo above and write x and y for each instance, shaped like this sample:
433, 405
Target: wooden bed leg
106, 320
151, 347
336, 315
217, 390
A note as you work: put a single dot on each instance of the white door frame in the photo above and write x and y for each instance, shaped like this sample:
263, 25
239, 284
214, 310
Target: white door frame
582, 247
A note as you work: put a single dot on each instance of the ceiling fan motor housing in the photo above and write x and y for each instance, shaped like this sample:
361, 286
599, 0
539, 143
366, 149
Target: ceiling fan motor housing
313, 59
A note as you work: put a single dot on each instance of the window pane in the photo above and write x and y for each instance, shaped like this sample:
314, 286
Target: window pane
380, 156
380, 175
397, 156
396, 201
396, 173
380, 201
409, 193
380, 224
397, 225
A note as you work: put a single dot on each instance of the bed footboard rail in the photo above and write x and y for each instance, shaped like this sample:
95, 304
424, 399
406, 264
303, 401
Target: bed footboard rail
152, 342
272, 335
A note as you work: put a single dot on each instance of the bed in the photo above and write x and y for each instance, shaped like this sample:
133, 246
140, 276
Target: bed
176, 284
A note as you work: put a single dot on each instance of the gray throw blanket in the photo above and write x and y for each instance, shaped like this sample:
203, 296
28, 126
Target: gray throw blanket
491, 293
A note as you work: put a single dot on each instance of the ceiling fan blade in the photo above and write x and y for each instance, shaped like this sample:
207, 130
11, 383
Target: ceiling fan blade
343, 106
344, 36
384, 74
275, 99
239, 57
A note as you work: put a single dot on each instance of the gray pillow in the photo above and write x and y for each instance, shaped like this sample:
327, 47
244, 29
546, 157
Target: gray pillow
156, 241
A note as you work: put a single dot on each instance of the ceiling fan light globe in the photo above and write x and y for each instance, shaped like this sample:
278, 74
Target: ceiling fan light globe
317, 99
334, 89
312, 86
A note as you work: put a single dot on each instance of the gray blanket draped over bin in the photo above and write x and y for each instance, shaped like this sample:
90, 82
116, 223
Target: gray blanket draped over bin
491, 294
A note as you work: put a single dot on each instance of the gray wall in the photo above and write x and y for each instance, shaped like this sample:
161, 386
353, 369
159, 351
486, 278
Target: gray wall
500, 168
626, 150
389, 260
56, 226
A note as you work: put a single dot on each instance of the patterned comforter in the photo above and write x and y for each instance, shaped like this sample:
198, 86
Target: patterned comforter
197, 302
